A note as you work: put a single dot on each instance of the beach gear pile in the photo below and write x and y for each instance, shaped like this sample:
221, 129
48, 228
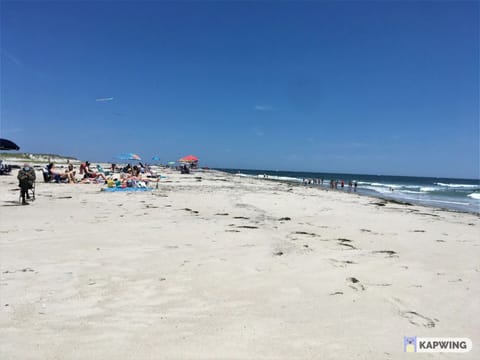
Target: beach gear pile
126, 186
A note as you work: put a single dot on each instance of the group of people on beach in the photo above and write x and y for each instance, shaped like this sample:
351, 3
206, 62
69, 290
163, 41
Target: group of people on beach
334, 184
127, 176
315, 181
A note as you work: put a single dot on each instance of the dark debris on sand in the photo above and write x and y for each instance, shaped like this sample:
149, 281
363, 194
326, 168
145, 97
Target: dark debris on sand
390, 253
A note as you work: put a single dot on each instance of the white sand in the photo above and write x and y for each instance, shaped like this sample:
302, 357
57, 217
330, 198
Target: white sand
92, 275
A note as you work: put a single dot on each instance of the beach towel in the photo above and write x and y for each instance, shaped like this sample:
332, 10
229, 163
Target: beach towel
126, 189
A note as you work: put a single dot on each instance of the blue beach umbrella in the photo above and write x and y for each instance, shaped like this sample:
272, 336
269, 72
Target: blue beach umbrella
128, 156
155, 158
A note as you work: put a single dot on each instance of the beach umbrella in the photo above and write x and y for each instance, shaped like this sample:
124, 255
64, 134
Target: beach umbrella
156, 158
8, 145
129, 156
189, 158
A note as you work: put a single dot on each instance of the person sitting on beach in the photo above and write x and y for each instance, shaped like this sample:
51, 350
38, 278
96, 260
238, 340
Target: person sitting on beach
58, 176
136, 171
128, 180
71, 171
127, 169
184, 169
26, 177
90, 174
134, 175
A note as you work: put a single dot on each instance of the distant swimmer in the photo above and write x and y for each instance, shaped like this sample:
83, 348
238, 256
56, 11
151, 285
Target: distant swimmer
104, 99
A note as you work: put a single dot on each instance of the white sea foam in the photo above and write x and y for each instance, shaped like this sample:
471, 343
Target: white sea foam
400, 187
385, 185
285, 178
466, 186
383, 190
411, 192
429, 188
475, 196
279, 178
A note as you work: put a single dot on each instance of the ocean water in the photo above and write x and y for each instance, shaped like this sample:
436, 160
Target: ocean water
454, 194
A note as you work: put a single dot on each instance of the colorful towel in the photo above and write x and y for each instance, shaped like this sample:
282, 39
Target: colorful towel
127, 189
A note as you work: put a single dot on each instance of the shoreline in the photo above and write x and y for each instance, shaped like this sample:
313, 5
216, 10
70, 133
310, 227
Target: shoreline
370, 193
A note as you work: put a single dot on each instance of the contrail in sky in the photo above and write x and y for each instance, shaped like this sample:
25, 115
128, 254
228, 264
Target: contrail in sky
104, 99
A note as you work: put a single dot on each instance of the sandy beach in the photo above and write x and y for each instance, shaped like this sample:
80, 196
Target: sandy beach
216, 266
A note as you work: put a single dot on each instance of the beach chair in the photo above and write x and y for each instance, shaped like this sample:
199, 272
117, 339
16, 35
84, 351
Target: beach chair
46, 175
4, 168
49, 177
102, 170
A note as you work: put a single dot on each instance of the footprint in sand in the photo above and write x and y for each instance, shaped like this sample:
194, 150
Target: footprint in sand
345, 242
190, 210
355, 284
417, 319
341, 263
336, 293
413, 317
305, 233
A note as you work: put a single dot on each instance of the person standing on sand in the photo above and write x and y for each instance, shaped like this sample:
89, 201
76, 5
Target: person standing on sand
26, 177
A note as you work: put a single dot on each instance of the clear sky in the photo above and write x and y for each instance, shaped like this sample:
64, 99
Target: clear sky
379, 87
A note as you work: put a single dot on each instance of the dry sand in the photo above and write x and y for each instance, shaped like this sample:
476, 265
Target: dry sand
214, 266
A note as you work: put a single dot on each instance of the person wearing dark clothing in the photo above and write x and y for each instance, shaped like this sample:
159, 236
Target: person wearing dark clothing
26, 177
184, 169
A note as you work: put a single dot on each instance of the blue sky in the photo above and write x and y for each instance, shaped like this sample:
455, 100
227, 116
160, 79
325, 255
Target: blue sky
362, 87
